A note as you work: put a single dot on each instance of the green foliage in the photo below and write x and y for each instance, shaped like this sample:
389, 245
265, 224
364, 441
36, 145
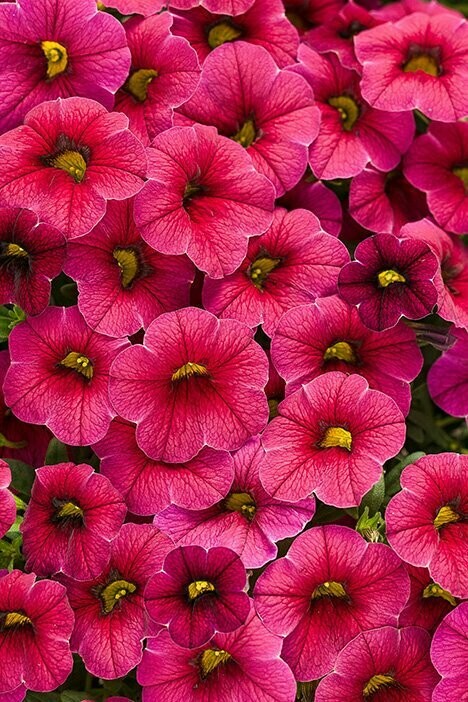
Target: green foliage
56, 453
10, 316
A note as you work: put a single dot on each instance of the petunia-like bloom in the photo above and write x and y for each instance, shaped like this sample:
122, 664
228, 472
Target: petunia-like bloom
242, 665
447, 379
110, 618
426, 521
417, 63
247, 520
72, 516
230, 7
16, 695
395, 11
68, 158
331, 586
204, 198
123, 283
311, 194
31, 254
428, 603
352, 134
386, 664
7, 501
449, 652
35, 627
57, 48
330, 336
150, 486
163, 75
59, 375
198, 593
389, 279
331, 437
198, 379
270, 112
137, 7
436, 164
291, 264
305, 14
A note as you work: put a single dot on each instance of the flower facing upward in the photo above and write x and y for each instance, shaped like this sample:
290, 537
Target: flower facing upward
449, 652
428, 603
7, 501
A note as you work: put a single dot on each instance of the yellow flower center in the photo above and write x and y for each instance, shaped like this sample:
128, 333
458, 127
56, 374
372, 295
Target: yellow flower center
57, 58
336, 436
15, 620
211, 659
79, 363
72, 162
221, 33
273, 403
386, 278
127, 261
261, 268
462, 173
446, 515
246, 134
241, 502
348, 109
15, 251
341, 351
199, 588
434, 590
188, 370
329, 589
68, 510
139, 82
114, 592
100, 6
423, 62
376, 683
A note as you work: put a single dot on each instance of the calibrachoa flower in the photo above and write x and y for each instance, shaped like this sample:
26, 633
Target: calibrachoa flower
313, 195
416, 63
271, 113
426, 521
7, 501
204, 198
247, 520
16, 695
428, 603
231, 7
123, 283
242, 665
198, 379
330, 336
150, 486
449, 654
58, 48
198, 593
68, 158
331, 437
291, 264
386, 664
447, 380
35, 627
110, 618
140, 7
331, 586
389, 279
304, 14
59, 375
72, 516
31, 254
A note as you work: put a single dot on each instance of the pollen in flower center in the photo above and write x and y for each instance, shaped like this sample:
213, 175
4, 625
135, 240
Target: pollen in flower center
462, 173
139, 82
446, 515
13, 620
329, 589
68, 512
348, 109
386, 278
128, 262
114, 592
341, 351
246, 134
336, 436
241, 502
211, 659
14, 251
57, 58
79, 363
426, 63
188, 370
199, 588
434, 590
376, 683
261, 268
223, 32
72, 162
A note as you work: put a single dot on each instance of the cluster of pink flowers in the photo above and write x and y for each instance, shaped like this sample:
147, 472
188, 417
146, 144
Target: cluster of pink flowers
234, 372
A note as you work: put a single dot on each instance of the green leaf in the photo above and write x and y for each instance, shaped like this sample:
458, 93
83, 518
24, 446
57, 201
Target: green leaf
56, 453
72, 696
22, 476
42, 697
374, 498
392, 477
9, 318
371, 528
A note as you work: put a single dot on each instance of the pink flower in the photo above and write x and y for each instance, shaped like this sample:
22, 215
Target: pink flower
331, 437
19, 693
68, 158
230, 7
59, 375
395, 11
331, 586
417, 63
123, 283
426, 522
449, 654
305, 14
7, 501
313, 195
140, 7
447, 380
57, 49
271, 113
428, 602
291, 264
35, 627
247, 520
200, 380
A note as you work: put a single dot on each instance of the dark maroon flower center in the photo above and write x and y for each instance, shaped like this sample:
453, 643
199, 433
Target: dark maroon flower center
222, 32
425, 60
241, 502
69, 157
12, 621
354, 28
67, 513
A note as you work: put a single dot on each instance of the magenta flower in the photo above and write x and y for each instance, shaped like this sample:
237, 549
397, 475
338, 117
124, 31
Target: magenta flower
150, 486
19, 693
200, 380
204, 198
7, 501
331, 586
331, 437
396, 11
352, 134
139, 7
64, 383
291, 264
447, 380
110, 618
31, 254
242, 665
305, 14
233, 7
329, 336
449, 654
417, 63
247, 520
271, 113
68, 158
426, 521
58, 50
428, 603
136, 284
35, 627
310, 194
72, 516
389, 279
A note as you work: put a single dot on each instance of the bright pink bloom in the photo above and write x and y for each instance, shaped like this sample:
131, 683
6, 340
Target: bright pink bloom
310, 194
35, 627
19, 693
352, 134
428, 603
426, 521
198, 379
248, 520
449, 654
7, 501
330, 336
139, 7
270, 112
396, 10
417, 63
230, 7
59, 375
305, 14
331, 437
447, 380
331, 586
123, 283
68, 158
291, 264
